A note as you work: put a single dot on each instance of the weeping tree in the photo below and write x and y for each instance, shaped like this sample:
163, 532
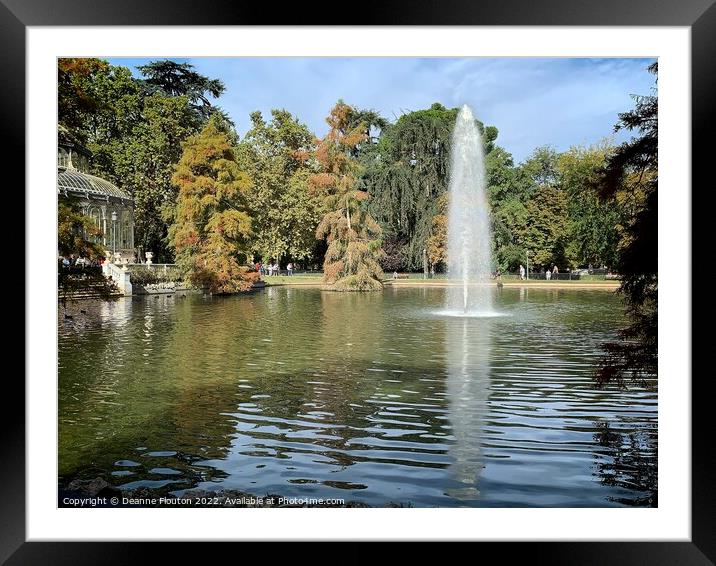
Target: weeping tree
352, 259
410, 172
211, 227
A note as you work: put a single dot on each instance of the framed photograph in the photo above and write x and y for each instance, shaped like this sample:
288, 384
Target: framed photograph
423, 277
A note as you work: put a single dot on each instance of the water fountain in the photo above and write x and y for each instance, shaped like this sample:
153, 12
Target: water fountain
469, 244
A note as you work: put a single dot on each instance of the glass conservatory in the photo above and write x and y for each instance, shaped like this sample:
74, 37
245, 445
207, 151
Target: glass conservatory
110, 207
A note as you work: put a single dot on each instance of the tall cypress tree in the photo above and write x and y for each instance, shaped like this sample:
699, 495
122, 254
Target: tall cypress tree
211, 226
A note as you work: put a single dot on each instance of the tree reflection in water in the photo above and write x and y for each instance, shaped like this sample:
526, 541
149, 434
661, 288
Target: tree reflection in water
628, 460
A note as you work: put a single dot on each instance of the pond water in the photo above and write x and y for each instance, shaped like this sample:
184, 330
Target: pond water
373, 398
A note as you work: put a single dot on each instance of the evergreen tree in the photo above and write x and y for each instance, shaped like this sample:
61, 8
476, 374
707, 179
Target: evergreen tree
634, 168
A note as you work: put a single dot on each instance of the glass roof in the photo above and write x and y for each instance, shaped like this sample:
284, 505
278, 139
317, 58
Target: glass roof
73, 180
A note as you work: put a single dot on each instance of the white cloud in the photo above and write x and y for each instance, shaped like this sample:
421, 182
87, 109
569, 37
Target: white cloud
533, 102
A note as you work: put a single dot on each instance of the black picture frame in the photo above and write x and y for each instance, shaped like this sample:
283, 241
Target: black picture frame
699, 15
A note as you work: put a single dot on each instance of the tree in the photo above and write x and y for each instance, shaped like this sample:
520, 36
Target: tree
594, 225
393, 258
276, 155
437, 241
179, 79
353, 236
370, 121
211, 227
410, 170
76, 94
634, 167
507, 191
135, 128
544, 233
539, 169
509, 217
78, 236
142, 158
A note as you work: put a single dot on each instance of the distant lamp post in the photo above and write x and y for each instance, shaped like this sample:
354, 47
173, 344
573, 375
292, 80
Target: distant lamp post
114, 232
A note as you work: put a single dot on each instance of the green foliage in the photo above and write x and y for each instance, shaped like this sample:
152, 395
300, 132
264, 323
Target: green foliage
276, 155
141, 160
135, 128
149, 276
593, 223
633, 168
408, 171
178, 79
573, 208
77, 234
212, 227
544, 232
77, 93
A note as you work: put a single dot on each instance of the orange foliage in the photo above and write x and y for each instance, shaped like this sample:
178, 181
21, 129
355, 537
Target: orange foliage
211, 229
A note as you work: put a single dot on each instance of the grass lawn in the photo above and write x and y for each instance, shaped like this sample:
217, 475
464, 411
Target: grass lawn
316, 280
312, 279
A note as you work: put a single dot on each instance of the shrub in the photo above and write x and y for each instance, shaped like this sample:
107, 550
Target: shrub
149, 276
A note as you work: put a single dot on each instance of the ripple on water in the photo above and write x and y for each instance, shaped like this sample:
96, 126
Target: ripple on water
381, 398
160, 454
165, 471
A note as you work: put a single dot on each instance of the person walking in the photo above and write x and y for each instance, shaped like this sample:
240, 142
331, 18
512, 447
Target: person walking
547, 274
522, 272
555, 272
289, 269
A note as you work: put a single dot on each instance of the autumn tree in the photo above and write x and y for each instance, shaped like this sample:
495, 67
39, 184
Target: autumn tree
78, 235
77, 92
437, 241
353, 236
211, 226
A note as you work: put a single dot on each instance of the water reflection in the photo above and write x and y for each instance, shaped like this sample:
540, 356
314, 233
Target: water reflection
467, 345
367, 397
627, 460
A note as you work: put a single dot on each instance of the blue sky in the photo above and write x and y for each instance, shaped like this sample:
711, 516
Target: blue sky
532, 101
